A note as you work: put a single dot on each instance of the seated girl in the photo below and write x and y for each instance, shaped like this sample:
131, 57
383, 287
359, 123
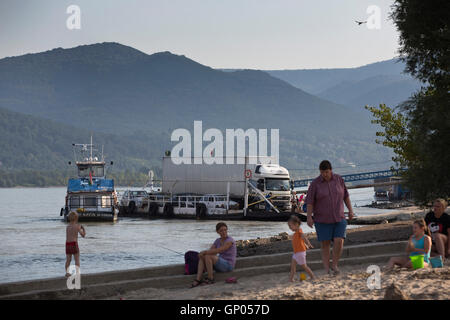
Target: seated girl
419, 244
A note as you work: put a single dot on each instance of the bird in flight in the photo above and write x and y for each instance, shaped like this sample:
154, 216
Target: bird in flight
360, 22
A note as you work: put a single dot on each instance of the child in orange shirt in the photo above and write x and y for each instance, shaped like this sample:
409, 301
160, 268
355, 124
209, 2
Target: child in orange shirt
299, 243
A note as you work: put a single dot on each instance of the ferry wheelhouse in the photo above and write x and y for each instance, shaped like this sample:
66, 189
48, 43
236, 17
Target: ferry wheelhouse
91, 195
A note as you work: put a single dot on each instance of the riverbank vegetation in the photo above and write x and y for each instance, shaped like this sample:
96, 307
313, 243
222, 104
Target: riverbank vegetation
36, 178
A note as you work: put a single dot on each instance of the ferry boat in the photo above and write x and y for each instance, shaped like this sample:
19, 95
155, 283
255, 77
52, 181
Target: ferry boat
91, 195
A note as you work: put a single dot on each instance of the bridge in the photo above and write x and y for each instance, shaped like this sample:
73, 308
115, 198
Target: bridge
355, 177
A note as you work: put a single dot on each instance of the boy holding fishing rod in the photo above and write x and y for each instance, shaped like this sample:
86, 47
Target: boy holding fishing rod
72, 231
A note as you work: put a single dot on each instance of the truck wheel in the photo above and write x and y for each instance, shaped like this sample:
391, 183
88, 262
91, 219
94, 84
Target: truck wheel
131, 208
200, 211
168, 210
153, 209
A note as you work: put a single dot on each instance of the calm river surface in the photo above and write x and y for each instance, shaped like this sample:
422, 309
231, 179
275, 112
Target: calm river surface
32, 236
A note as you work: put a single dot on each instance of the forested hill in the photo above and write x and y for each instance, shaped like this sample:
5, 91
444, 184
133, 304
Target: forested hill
43, 149
117, 89
132, 102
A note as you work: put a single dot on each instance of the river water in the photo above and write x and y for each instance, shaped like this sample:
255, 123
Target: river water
32, 236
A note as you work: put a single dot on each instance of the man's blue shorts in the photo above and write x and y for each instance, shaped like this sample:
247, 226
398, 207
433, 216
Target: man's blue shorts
329, 231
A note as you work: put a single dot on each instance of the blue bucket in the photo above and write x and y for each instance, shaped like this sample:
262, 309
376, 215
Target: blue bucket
436, 262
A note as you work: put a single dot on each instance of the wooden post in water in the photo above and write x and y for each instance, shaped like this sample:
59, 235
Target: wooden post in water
245, 188
228, 196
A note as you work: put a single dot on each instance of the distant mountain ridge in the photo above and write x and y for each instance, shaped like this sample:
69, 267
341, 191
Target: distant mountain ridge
120, 83
136, 99
388, 89
372, 84
317, 80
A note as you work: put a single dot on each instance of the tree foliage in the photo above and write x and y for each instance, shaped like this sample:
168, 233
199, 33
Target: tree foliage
395, 131
424, 38
418, 131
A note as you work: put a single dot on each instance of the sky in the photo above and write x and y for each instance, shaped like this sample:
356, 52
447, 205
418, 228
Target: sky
253, 34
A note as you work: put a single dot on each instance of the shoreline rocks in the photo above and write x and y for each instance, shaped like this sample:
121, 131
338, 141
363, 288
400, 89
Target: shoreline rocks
390, 205
410, 214
395, 231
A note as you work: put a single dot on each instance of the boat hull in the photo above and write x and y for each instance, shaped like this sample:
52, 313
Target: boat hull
232, 215
97, 217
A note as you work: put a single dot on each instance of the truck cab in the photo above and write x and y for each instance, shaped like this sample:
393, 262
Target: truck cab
273, 179
134, 199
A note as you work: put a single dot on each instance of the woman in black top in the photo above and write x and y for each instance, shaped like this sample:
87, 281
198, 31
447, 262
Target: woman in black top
438, 222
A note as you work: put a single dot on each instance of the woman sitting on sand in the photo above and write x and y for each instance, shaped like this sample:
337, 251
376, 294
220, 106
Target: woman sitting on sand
419, 244
225, 246
438, 222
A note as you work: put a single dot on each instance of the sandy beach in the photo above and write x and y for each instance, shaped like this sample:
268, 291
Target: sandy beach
351, 284
263, 274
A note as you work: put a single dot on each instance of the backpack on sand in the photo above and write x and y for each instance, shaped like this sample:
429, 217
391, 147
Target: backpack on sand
190, 262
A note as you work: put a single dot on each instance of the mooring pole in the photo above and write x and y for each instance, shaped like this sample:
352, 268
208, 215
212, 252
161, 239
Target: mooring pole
228, 196
246, 188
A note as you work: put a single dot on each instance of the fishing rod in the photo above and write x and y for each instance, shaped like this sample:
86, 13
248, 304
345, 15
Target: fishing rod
162, 247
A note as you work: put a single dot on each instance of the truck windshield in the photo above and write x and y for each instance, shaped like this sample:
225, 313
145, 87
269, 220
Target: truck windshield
277, 184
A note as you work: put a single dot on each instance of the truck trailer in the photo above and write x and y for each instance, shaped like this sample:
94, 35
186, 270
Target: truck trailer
236, 180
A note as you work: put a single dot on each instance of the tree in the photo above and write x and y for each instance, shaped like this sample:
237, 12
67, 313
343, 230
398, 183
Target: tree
424, 38
395, 132
418, 130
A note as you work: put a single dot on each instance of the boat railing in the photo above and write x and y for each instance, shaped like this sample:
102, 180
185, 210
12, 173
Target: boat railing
80, 202
185, 201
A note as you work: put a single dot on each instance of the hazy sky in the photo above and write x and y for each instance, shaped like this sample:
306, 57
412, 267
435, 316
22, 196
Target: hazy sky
257, 34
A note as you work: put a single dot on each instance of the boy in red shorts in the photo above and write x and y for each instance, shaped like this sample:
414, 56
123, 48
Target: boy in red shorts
72, 231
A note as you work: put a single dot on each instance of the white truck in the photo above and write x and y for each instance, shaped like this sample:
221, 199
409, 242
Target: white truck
230, 179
